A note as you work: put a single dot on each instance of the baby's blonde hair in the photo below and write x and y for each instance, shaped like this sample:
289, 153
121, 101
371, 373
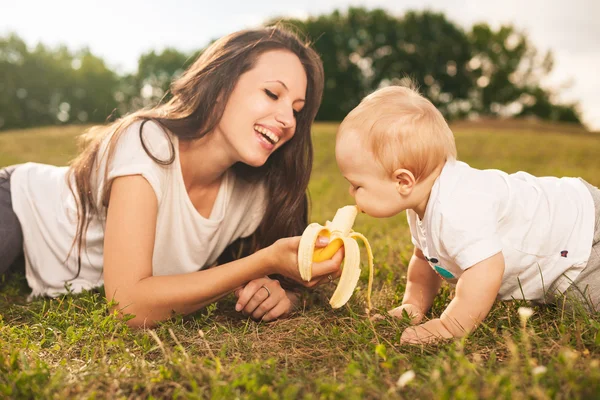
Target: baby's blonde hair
402, 129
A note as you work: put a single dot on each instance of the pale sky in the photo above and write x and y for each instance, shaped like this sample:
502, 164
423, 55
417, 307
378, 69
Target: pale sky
120, 31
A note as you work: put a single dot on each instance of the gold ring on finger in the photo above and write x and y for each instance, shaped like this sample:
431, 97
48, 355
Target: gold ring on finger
268, 291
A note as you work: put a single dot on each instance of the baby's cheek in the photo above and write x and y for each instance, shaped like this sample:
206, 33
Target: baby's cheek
357, 197
362, 203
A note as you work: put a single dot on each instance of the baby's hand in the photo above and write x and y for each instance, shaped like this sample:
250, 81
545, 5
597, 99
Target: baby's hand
413, 312
430, 332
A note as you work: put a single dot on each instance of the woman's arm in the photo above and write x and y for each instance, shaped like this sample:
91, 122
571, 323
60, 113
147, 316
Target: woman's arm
128, 248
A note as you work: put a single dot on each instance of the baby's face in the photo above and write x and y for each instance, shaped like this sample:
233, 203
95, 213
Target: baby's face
374, 190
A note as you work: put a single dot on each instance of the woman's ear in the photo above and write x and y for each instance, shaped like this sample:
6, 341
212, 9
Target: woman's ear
405, 181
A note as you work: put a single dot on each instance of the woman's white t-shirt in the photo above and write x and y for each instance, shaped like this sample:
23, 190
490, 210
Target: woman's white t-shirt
184, 240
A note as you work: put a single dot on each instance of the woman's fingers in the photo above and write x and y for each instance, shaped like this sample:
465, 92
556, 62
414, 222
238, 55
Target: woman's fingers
238, 291
260, 296
248, 292
263, 299
324, 280
264, 307
328, 267
322, 241
286, 250
280, 310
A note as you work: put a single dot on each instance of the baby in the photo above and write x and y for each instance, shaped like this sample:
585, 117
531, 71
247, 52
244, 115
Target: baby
493, 235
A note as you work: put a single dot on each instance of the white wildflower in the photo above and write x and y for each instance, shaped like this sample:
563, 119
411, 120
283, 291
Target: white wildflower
405, 378
525, 313
540, 369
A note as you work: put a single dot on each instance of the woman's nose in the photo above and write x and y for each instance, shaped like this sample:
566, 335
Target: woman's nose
285, 117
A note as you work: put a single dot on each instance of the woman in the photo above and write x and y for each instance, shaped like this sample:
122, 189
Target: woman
220, 170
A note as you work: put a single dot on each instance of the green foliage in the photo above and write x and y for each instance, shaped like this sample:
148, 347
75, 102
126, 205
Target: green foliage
507, 71
363, 50
52, 86
75, 347
482, 72
477, 72
155, 73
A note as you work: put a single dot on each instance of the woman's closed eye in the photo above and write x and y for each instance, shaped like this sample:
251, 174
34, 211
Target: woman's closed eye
271, 94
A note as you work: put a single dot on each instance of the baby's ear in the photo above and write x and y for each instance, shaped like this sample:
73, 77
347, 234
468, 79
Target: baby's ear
405, 181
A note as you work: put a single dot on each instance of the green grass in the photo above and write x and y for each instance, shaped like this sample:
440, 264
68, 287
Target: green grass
74, 347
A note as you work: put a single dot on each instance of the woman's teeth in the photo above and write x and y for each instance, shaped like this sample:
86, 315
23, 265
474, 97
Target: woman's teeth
267, 134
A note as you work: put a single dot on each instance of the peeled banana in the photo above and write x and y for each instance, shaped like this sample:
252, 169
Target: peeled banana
341, 234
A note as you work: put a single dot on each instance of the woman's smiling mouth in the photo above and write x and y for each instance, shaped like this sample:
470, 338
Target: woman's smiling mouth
271, 137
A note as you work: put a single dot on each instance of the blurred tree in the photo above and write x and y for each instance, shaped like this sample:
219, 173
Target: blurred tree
13, 55
508, 72
539, 103
483, 71
333, 39
150, 84
46, 86
363, 50
429, 50
91, 93
498, 67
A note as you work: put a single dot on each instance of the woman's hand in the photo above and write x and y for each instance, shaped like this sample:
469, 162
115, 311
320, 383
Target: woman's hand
284, 261
264, 299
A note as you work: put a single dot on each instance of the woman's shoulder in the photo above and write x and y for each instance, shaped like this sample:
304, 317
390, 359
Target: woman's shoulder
143, 148
148, 137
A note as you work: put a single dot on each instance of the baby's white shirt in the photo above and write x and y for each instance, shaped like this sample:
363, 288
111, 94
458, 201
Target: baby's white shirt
543, 226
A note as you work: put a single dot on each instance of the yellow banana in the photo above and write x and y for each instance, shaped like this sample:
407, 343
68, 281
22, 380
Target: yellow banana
341, 234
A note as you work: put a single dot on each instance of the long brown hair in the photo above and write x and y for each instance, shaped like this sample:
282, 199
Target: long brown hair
193, 111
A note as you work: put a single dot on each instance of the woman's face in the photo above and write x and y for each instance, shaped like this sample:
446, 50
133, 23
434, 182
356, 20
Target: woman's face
260, 115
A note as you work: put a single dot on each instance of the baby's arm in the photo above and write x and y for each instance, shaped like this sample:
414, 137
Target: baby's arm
476, 292
422, 285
